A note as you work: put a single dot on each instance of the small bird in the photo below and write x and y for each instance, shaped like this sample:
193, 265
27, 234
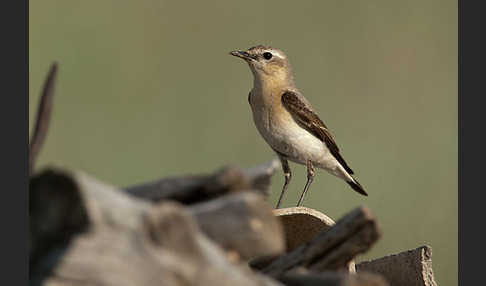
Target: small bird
287, 121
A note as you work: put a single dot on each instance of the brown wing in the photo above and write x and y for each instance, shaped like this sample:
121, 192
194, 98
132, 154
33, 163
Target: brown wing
308, 119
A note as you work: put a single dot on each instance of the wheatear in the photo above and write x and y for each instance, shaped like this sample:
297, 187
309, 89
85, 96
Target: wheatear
287, 121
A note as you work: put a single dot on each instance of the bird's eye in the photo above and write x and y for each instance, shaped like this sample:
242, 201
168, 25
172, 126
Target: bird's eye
267, 55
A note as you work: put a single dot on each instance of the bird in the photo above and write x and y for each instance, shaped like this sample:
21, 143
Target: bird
287, 121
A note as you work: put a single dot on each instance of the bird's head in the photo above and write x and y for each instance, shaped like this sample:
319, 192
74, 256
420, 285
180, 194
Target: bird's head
266, 63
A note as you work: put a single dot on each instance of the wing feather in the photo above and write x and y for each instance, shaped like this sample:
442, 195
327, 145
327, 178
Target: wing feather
303, 114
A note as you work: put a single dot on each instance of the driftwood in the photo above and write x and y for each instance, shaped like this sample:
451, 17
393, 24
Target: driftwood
119, 240
332, 279
331, 249
411, 268
86, 232
196, 188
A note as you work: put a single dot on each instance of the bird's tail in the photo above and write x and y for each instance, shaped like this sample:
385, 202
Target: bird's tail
357, 186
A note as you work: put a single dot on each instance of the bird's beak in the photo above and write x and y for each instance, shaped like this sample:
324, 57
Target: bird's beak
241, 54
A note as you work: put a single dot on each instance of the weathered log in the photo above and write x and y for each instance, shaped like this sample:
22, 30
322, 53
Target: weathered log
331, 249
332, 279
197, 188
123, 240
411, 268
242, 224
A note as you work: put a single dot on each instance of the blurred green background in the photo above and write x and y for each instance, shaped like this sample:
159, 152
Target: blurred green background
147, 89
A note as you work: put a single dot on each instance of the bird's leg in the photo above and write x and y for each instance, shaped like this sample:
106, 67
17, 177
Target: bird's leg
310, 178
288, 176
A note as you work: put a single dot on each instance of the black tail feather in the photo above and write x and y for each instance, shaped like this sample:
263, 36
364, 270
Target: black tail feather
357, 187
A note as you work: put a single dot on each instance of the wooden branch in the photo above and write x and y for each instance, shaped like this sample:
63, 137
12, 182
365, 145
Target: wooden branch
332, 279
197, 188
242, 223
331, 249
192, 188
43, 117
411, 268
338, 257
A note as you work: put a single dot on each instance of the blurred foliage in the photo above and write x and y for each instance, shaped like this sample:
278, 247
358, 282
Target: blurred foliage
147, 89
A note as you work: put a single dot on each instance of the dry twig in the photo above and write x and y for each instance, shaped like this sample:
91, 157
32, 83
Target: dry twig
43, 117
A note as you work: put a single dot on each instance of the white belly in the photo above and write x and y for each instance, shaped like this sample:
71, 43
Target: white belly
284, 135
